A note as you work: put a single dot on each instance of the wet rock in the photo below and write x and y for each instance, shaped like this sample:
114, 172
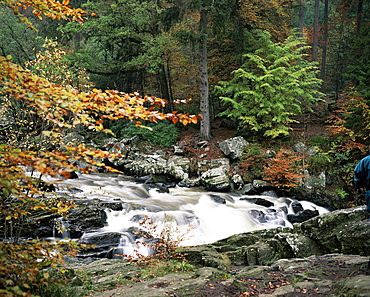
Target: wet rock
270, 194
205, 256
146, 179
40, 226
298, 259
117, 206
86, 217
261, 185
302, 216
296, 206
177, 161
335, 231
45, 186
101, 243
237, 182
218, 199
259, 201
148, 165
178, 168
216, 180
160, 187
233, 147
302, 246
258, 215
205, 165
189, 182
248, 189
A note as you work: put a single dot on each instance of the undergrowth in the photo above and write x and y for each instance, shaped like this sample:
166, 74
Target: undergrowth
162, 134
164, 241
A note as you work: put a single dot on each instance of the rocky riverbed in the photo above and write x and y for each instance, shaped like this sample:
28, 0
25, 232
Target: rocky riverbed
326, 275
324, 256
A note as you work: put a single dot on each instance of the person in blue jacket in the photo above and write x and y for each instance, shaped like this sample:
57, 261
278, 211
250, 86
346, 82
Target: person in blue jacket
362, 179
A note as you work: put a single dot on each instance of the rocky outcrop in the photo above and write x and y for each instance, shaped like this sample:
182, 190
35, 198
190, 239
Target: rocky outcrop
327, 275
344, 231
215, 180
234, 147
326, 256
86, 217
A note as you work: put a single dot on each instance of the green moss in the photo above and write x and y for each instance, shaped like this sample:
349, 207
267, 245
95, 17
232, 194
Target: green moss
157, 268
162, 134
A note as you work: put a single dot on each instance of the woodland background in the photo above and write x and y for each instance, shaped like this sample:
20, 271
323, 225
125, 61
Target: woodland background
259, 66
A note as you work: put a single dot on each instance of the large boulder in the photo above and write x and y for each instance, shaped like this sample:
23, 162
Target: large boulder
345, 230
178, 168
234, 147
147, 165
216, 179
204, 165
303, 215
100, 243
86, 217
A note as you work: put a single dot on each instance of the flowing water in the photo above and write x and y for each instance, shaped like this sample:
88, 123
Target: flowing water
188, 214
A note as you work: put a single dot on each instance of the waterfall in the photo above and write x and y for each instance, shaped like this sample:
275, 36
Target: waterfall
192, 214
61, 228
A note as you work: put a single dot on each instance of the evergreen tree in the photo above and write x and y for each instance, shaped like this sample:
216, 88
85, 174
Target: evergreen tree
122, 46
274, 84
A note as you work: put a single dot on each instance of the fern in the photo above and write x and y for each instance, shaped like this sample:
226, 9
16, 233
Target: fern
274, 84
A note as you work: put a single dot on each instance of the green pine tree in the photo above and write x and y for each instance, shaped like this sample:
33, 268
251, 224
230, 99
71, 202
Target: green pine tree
274, 84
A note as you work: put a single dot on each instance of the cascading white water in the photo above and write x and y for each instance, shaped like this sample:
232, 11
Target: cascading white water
61, 228
182, 207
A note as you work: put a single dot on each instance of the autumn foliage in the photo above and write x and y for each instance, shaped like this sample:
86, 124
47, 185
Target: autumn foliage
283, 170
35, 115
350, 122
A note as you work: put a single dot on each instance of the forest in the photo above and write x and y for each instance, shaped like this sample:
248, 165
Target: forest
103, 67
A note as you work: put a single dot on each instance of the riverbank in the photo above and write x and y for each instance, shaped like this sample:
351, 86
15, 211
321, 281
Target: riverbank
324, 256
326, 275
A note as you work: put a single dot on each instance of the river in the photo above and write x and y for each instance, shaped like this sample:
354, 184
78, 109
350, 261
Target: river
192, 214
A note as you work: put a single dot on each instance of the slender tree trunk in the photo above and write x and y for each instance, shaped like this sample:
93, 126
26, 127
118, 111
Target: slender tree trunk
315, 30
164, 87
301, 18
359, 15
170, 92
205, 123
325, 41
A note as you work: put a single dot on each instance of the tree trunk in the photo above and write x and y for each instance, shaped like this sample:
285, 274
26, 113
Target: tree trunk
359, 15
325, 41
165, 88
315, 30
205, 127
301, 18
